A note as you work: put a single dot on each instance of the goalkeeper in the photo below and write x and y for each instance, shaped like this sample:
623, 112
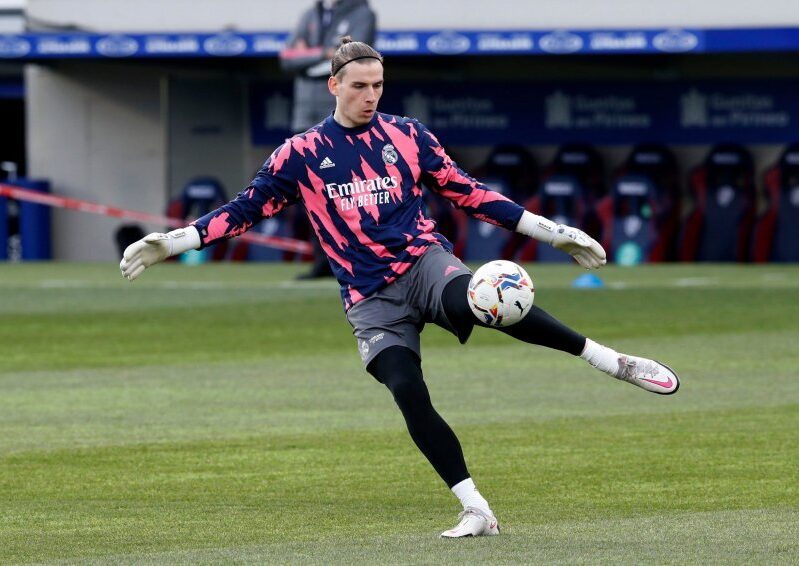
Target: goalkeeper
359, 174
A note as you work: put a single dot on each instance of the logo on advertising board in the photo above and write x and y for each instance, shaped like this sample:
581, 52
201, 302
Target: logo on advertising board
558, 110
615, 41
584, 111
560, 42
172, 44
675, 41
693, 109
225, 45
267, 44
449, 43
503, 42
11, 46
397, 42
63, 46
732, 110
457, 112
117, 46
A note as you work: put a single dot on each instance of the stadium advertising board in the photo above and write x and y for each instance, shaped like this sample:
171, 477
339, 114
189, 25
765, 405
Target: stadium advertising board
475, 113
406, 42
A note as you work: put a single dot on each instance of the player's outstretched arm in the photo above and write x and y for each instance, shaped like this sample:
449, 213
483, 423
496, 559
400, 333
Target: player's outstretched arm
155, 248
574, 242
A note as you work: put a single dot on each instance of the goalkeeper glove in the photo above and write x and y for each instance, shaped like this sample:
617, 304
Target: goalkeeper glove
574, 242
156, 247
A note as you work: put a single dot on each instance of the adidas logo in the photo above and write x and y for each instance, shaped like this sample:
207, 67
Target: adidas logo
326, 163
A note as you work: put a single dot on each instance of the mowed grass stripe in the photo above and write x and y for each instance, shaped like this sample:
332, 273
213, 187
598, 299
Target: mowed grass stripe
269, 488
478, 383
723, 537
251, 331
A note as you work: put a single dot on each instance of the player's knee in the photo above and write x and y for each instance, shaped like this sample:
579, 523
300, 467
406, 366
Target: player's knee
409, 392
399, 369
456, 307
453, 299
394, 360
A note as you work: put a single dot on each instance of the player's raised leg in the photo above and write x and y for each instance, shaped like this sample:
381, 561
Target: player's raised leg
540, 328
645, 373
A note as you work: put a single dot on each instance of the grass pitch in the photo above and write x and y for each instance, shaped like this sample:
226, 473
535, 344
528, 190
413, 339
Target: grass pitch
220, 414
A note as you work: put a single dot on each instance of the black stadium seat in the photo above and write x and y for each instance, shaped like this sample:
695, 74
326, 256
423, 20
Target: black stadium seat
720, 225
776, 236
569, 191
200, 196
511, 170
641, 215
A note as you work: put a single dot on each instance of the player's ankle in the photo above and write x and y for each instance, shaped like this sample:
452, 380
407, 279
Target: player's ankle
601, 357
469, 496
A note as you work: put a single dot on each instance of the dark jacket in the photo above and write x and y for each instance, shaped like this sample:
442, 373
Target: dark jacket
312, 101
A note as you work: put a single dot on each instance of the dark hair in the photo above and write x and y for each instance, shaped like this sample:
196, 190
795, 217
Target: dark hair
350, 51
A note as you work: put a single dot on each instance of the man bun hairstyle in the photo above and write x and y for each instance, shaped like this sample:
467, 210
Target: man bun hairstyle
349, 51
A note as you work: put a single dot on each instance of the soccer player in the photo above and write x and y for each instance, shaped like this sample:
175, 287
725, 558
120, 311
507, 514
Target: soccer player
359, 174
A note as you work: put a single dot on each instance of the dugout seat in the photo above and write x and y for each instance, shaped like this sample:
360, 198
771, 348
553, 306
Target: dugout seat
776, 235
513, 166
569, 191
200, 196
719, 227
482, 240
641, 215
511, 170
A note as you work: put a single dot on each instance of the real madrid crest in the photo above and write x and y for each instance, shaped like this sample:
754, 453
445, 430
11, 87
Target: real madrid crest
389, 154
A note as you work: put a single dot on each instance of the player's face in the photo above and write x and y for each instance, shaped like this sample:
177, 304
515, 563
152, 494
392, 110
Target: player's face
357, 92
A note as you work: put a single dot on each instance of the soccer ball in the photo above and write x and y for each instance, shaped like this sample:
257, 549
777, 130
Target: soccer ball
500, 293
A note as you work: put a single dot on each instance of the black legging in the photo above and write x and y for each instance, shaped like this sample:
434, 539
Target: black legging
400, 369
537, 327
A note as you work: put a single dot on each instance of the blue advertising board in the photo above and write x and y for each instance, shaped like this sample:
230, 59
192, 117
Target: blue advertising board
482, 113
405, 42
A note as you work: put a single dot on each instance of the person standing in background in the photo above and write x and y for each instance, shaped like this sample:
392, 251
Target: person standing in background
307, 56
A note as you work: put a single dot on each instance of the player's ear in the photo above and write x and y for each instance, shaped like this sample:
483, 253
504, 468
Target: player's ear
332, 86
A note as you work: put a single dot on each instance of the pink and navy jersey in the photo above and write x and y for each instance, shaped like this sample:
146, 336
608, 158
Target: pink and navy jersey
362, 190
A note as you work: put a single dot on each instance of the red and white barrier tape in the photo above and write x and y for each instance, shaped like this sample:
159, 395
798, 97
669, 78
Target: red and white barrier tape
9, 191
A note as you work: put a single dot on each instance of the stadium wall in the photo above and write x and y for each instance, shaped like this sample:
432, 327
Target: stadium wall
212, 15
207, 131
96, 132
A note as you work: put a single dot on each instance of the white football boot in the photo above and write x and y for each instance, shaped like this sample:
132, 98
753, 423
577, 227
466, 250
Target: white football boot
473, 523
648, 374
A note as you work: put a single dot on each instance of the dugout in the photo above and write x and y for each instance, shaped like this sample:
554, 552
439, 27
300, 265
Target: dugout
125, 105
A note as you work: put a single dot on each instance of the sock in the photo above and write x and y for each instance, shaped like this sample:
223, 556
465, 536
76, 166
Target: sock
470, 497
601, 357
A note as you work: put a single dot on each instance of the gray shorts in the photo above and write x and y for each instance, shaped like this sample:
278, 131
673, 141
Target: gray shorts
396, 315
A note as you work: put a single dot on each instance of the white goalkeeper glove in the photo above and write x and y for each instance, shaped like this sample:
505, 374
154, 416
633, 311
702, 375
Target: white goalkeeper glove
574, 242
156, 247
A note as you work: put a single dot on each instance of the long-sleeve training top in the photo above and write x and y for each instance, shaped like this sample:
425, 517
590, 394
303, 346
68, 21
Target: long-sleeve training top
362, 190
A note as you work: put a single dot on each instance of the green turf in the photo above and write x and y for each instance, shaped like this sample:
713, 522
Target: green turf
219, 414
